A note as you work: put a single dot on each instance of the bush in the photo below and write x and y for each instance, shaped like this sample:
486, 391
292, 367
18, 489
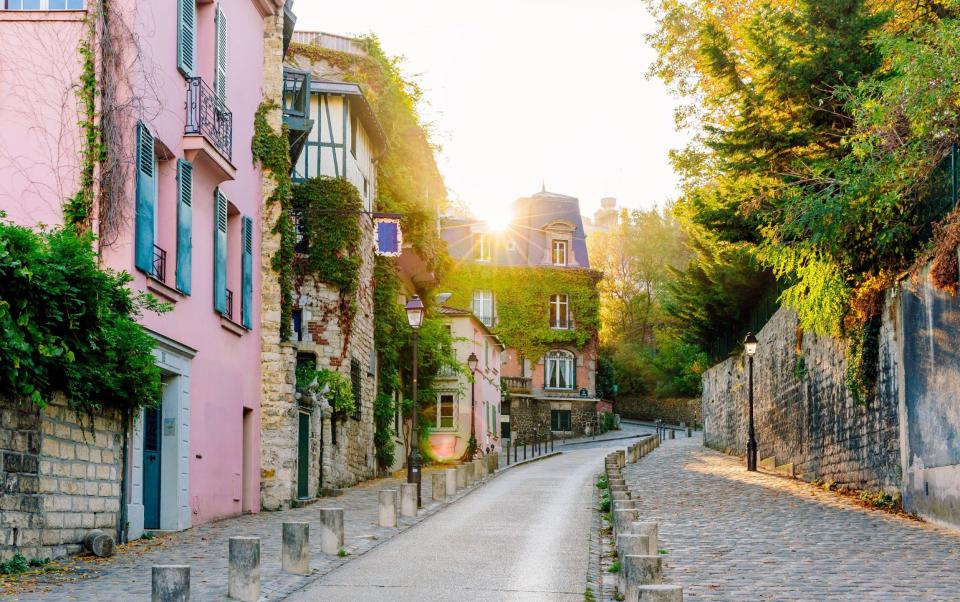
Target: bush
67, 325
383, 411
608, 422
16, 565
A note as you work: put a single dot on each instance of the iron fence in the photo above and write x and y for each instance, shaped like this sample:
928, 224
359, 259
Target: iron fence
208, 116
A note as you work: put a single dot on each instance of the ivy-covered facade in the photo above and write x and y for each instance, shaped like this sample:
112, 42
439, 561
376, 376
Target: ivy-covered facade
532, 285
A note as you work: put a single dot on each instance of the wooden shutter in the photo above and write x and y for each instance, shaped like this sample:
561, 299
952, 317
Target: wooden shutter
220, 76
184, 225
220, 252
246, 274
186, 35
146, 200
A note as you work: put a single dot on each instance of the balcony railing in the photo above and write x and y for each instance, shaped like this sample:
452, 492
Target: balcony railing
208, 116
517, 384
228, 312
159, 264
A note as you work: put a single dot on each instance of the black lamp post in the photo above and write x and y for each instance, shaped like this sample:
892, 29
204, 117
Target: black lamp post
750, 346
472, 362
415, 313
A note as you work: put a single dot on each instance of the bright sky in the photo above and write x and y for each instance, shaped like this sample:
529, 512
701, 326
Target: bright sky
524, 91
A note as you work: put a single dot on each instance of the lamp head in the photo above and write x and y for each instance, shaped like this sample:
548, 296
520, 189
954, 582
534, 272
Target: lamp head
750, 344
415, 311
472, 362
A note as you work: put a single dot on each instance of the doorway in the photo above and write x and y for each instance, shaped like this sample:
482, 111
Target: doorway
303, 457
246, 494
152, 448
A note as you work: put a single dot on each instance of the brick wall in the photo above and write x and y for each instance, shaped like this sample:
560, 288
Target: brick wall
59, 478
808, 419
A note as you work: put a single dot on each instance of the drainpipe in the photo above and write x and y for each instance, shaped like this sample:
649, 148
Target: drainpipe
123, 528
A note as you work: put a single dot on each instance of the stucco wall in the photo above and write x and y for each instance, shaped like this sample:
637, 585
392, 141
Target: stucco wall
809, 420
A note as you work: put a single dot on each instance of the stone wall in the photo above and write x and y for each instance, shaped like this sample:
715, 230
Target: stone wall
59, 478
803, 412
672, 411
529, 415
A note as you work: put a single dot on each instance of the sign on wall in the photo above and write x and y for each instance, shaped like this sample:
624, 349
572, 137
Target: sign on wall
389, 235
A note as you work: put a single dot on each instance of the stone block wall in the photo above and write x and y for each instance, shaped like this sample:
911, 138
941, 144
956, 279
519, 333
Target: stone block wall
527, 414
672, 411
803, 412
60, 477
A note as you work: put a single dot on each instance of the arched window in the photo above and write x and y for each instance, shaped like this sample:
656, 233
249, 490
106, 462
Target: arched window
559, 368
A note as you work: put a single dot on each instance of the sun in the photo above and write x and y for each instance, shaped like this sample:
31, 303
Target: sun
496, 218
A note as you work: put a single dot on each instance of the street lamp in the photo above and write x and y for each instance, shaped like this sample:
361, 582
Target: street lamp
415, 311
750, 345
472, 362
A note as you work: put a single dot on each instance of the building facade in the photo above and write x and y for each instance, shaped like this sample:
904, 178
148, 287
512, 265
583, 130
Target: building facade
464, 409
531, 283
177, 203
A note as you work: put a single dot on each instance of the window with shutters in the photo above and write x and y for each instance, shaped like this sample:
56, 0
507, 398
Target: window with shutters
220, 75
446, 419
560, 311
560, 420
186, 36
220, 223
484, 307
146, 202
246, 273
184, 226
559, 369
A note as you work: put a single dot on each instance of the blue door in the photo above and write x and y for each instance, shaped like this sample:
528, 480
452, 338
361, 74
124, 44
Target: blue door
151, 468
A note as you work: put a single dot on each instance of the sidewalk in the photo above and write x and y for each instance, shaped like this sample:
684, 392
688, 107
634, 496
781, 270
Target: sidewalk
733, 535
126, 577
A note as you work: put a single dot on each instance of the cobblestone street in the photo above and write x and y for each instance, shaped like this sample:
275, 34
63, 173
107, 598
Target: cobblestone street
732, 535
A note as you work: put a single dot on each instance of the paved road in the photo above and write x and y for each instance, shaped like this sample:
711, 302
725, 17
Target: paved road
732, 535
523, 536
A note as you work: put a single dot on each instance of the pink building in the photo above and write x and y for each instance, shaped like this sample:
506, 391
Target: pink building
177, 204
456, 396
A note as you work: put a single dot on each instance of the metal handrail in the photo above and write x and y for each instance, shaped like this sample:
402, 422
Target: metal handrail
159, 264
228, 312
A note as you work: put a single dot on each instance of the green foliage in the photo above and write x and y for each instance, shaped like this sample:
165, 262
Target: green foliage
881, 500
383, 412
608, 422
602, 482
605, 502
271, 150
614, 567
342, 552
16, 565
78, 210
66, 325
340, 393
329, 213
524, 322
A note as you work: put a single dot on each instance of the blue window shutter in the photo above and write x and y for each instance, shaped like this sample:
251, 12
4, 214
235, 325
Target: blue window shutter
146, 200
186, 35
246, 286
220, 73
184, 225
220, 252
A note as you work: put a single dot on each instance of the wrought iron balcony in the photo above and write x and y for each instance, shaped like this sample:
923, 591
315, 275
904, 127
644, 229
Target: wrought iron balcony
517, 384
296, 109
228, 312
159, 264
208, 116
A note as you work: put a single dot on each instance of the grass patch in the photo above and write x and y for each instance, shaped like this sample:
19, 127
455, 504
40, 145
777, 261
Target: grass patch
614, 567
342, 553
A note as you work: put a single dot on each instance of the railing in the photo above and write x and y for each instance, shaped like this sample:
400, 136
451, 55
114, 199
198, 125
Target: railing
159, 264
517, 384
296, 92
536, 442
228, 312
208, 116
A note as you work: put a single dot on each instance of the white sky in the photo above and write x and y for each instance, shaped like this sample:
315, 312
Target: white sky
524, 91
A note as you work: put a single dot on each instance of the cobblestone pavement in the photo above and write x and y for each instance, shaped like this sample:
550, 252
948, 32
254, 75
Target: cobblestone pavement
733, 535
126, 577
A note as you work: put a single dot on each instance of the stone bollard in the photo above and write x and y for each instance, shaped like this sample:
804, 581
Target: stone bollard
331, 530
451, 478
479, 469
439, 486
631, 544
637, 571
99, 543
469, 473
170, 583
689, 434
619, 494
295, 551
650, 530
408, 499
388, 508
623, 505
493, 462
461, 476
673, 434
621, 459
622, 518
659, 593
243, 581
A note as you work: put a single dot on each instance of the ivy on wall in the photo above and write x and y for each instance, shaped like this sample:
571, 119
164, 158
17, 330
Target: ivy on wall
271, 149
78, 210
522, 296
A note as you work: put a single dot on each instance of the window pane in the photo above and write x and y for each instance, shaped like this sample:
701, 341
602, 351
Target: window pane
57, 4
445, 411
75, 4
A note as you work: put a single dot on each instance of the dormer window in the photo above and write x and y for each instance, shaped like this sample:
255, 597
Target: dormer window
559, 253
483, 247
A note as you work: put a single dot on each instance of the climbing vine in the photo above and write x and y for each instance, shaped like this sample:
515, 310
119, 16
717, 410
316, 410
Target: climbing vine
271, 149
523, 315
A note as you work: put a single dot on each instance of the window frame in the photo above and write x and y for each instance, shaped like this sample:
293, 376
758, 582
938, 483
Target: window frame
556, 416
453, 411
558, 302
564, 360
488, 320
559, 244
45, 6
484, 247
